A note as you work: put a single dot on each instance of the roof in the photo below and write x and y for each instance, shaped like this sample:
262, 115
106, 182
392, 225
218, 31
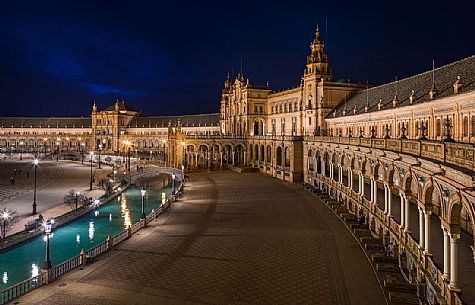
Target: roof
444, 77
25, 122
122, 107
197, 120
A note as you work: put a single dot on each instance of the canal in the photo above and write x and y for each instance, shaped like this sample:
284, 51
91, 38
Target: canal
21, 262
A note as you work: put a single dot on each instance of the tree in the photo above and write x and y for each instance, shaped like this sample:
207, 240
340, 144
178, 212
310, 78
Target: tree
74, 199
7, 218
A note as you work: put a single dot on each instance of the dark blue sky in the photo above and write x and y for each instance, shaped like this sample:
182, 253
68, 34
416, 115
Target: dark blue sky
171, 57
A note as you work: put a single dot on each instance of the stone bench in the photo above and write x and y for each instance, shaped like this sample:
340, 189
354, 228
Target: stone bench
384, 259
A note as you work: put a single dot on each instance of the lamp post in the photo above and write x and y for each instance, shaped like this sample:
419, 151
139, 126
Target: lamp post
77, 195
57, 151
5, 215
91, 154
183, 153
82, 152
100, 148
143, 191
164, 153
183, 172
173, 184
21, 150
44, 145
35, 164
48, 227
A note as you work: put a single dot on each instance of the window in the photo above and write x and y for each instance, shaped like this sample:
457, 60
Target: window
309, 121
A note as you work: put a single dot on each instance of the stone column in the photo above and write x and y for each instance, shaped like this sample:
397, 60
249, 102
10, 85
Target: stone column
421, 229
362, 185
427, 231
375, 190
371, 184
385, 199
390, 196
401, 196
453, 261
340, 175
446, 254
406, 209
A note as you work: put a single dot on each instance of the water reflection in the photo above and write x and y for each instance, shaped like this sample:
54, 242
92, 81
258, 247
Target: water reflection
125, 211
91, 230
5, 277
34, 270
110, 216
78, 239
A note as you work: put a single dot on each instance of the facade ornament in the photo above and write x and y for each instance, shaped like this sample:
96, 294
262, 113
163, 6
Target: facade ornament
395, 101
366, 107
423, 129
361, 132
403, 131
380, 104
412, 98
447, 126
458, 86
387, 131
373, 132
355, 110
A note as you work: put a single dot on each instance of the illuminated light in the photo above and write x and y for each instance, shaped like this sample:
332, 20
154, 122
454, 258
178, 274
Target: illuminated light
34, 270
96, 213
36, 162
5, 277
110, 216
78, 239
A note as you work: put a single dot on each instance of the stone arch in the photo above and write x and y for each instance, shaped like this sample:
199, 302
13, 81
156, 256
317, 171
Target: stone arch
431, 196
262, 153
454, 209
269, 154
287, 152
278, 155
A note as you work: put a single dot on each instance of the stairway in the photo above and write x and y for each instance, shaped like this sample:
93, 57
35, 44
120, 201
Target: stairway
396, 289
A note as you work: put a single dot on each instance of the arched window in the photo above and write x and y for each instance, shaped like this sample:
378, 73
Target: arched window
262, 153
287, 157
465, 126
438, 128
279, 156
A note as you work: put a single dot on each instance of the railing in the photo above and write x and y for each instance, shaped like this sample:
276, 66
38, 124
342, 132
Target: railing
57, 271
455, 153
22, 288
433, 273
66, 266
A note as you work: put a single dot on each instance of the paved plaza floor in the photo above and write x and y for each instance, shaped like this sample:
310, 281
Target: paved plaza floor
54, 180
231, 239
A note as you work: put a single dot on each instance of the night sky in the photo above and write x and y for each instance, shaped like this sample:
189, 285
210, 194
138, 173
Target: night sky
171, 57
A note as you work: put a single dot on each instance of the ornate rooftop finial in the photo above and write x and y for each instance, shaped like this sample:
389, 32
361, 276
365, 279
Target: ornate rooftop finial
458, 85
412, 97
94, 107
380, 104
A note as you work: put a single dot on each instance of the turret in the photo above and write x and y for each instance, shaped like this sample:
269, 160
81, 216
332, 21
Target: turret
317, 61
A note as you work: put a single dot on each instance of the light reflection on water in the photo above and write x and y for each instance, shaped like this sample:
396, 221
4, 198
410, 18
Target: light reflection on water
16, 264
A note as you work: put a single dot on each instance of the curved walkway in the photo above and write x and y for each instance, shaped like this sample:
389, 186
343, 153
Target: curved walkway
233, 239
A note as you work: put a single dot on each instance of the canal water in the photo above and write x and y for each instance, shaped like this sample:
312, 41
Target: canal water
19, 263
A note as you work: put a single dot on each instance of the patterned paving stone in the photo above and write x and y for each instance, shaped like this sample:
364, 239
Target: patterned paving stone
254, 241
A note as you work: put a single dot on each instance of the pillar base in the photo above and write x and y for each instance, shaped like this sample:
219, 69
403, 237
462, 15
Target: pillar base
454, 288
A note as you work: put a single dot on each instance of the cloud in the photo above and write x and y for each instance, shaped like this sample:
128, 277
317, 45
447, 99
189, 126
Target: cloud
100, 89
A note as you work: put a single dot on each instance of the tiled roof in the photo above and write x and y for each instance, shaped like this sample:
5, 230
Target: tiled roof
122, 107
26, 122
198, 120
445, 77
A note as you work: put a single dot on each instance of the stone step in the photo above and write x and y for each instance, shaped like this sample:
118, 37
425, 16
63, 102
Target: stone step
405, 298
389, 268
374, 247
349, 218
378, 258
355, 226
394, 285
362, 233
371, 240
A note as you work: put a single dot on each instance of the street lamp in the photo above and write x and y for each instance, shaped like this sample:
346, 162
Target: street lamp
21, 150
173, 183
35, 164
57, 151
77, 195
183, 172
91, 155
164, 152
183, 153
48, 227
82, 152
100, 148
5, 215
44, 145
143, 191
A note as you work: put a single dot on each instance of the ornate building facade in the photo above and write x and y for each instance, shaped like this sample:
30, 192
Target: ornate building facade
401, 153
